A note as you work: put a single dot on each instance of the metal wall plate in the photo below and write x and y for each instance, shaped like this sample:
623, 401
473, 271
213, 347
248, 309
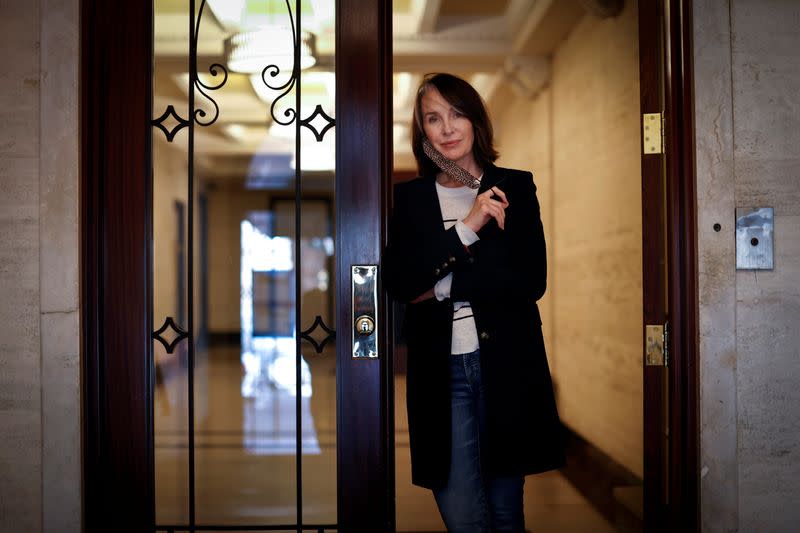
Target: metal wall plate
364, 329
754, 228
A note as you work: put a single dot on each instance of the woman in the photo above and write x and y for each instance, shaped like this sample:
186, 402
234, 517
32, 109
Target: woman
466, 252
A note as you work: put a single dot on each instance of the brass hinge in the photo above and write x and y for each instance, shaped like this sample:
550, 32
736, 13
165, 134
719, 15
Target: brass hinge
657, 344
653, 138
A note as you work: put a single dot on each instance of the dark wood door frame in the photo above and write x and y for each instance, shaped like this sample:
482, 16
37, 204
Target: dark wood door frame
671, 423
116, 251
683, 394
363, 153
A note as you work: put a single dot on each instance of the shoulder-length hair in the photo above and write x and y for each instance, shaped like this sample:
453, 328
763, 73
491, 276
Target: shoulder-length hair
468, 102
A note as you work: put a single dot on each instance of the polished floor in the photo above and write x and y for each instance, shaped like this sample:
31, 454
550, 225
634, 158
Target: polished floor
245, 451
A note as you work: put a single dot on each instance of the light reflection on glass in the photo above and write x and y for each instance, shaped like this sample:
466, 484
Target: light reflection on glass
268, 361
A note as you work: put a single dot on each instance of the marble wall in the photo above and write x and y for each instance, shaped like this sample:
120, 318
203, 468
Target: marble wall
20, 314
580, 137
747, 85
39, 311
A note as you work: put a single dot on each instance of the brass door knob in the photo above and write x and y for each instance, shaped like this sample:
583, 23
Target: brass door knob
365, 325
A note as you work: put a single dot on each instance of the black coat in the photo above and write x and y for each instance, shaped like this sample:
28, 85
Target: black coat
502, 276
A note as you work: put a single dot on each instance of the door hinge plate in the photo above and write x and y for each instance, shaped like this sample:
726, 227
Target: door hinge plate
656, 345
653, 133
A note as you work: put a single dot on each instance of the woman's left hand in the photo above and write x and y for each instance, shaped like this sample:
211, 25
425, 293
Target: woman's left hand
486, 208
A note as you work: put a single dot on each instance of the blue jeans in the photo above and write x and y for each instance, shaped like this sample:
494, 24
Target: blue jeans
471, 503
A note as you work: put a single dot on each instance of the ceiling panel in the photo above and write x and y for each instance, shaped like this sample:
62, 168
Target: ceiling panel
473, 8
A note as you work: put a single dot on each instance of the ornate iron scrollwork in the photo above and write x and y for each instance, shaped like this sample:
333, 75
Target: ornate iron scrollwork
180, 334
329, 122
318, 346
273, 70
170, 112
217, 69
214, 70
199, 114
290, 113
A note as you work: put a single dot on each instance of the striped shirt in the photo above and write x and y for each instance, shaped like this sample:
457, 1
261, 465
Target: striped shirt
455, 203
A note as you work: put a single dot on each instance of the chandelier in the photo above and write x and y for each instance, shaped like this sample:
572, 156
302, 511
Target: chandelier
249, 52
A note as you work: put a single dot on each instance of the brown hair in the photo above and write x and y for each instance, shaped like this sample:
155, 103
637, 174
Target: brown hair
468, 102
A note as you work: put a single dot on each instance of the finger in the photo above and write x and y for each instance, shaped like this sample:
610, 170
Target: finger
496, 203
499, 192
502, 216
491, 209
501, 219
499, 214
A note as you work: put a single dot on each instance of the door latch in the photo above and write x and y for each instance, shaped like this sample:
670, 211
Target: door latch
364, 284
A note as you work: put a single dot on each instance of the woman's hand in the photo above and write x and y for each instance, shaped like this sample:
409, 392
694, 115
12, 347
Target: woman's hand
486, 208
425, 296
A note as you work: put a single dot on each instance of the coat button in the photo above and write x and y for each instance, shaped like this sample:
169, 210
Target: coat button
437, 272
484, 336
452, 259
444, 266
470, 260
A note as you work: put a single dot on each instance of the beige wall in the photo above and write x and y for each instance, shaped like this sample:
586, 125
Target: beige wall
747, 86
227, 207
170, 185
580, 137
39, 339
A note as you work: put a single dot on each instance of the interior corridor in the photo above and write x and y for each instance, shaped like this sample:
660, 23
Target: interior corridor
246, 462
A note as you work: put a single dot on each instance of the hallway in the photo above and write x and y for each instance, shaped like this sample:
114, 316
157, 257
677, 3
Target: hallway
246, 464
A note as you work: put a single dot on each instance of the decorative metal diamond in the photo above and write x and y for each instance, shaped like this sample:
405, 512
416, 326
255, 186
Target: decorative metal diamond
180, 334
328, 122
318, 346
170, 112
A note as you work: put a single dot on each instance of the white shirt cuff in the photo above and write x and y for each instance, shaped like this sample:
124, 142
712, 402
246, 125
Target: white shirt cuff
442, 287
466, 235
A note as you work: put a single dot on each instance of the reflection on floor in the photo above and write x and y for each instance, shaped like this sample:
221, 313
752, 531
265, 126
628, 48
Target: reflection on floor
245, 471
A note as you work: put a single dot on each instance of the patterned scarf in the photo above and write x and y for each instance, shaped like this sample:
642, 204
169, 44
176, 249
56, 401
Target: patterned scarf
456, 172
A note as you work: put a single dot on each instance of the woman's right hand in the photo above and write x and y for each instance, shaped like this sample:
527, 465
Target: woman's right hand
486, 208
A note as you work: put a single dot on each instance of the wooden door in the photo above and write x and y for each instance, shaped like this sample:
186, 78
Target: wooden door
671, 474
119, 120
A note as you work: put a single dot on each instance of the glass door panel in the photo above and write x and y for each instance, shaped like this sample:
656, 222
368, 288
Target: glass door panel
244, 166
170, 261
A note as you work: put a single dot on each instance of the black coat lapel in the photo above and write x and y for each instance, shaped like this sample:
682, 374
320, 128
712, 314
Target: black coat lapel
491, 175
429, 206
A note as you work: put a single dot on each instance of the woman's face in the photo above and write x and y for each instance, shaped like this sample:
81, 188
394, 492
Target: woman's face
447, 129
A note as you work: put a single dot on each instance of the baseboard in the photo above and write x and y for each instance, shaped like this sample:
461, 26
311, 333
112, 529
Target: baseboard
596, 476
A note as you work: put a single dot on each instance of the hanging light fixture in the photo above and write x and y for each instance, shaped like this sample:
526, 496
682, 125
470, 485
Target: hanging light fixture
249, 52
